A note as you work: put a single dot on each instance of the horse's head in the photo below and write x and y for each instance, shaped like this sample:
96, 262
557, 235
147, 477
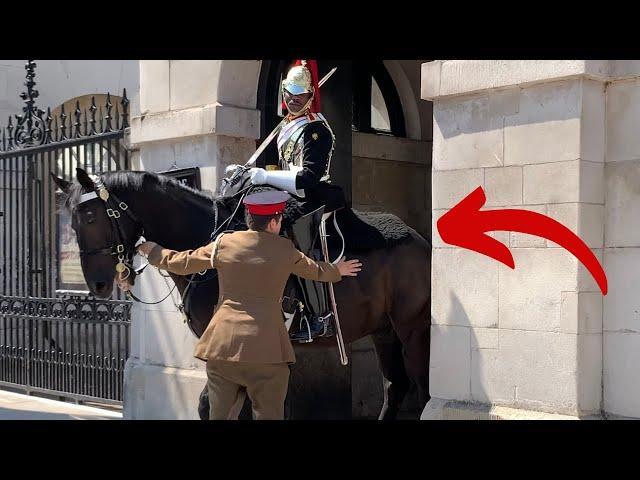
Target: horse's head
99, 233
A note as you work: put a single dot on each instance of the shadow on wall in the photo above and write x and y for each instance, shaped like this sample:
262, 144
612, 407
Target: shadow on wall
456, 370
557, 101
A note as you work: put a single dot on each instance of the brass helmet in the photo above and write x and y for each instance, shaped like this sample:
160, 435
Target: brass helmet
303, 78
298, 80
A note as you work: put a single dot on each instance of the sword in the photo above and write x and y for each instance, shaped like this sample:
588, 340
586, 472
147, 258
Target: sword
276, 130
344, 360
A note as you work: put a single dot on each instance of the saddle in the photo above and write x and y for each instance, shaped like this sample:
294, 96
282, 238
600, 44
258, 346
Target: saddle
304, 231
305, 234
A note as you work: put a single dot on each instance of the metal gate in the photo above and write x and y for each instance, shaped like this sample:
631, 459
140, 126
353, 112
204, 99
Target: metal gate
53, 337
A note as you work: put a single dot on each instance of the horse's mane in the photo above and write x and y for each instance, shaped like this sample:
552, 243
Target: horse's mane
364, 231
140, 181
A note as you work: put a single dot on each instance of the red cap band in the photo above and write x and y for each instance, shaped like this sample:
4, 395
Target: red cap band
272, 209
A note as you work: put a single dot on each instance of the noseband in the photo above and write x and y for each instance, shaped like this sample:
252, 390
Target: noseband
114, 206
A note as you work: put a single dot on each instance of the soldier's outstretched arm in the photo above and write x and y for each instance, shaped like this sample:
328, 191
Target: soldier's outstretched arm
180, 263
305, 267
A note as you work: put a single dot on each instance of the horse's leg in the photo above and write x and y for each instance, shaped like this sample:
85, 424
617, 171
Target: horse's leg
413, 328
395, 380
203, 404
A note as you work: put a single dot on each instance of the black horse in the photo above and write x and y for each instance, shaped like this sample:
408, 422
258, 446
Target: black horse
390, 300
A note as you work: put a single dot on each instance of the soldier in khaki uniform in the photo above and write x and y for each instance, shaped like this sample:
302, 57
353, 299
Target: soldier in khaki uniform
246, 345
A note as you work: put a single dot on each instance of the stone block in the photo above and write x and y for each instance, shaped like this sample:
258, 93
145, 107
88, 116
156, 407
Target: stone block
466, 134
622, 208
503, 186
449, 367
449, 187
621, 375
546, 127
464, 288
154, 94
622, 303
623, 117
531, 294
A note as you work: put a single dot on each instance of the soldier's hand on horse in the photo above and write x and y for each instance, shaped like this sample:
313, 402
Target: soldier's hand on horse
349, 268
122, 282
258, 176
146, 247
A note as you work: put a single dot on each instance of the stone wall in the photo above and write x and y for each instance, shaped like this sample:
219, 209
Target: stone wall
531, 133
193, 113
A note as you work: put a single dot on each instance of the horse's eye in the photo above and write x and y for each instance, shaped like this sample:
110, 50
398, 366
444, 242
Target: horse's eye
90, 217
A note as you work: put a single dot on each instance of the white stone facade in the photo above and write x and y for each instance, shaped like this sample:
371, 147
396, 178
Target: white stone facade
559, 138
555, 137
193, 113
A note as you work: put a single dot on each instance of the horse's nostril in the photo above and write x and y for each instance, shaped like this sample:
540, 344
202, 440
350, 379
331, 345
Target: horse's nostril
100, 285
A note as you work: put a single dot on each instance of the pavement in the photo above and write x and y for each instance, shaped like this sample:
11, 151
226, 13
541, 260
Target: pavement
16, 406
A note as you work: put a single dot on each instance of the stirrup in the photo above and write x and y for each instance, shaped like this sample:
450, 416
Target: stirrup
309, 339
328, 326
327, 331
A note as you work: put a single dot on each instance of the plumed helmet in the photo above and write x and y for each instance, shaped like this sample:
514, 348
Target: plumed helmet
303, 78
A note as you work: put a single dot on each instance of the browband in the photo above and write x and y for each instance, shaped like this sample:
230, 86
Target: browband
85, 197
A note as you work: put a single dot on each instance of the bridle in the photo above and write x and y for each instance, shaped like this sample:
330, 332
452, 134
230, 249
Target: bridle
123, 250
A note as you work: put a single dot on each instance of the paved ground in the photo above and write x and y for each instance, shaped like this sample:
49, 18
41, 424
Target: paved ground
15, 406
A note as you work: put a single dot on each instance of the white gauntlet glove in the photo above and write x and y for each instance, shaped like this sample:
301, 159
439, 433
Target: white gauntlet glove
282, 179
258, 176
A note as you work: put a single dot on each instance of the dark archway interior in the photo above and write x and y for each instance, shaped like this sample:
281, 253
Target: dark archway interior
321, 388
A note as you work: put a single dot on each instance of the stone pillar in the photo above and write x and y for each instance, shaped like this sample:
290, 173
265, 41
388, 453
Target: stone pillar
532, 134
621, 346
192, 113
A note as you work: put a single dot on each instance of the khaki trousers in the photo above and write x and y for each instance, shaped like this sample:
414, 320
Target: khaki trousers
266, 385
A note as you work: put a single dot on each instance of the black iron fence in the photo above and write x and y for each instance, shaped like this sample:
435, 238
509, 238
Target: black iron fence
53, 337
72, 347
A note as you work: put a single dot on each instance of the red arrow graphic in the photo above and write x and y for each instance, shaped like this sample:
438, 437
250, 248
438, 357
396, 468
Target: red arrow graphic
465, 226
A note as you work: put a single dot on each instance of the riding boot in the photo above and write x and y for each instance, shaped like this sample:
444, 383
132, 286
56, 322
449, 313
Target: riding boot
317, 321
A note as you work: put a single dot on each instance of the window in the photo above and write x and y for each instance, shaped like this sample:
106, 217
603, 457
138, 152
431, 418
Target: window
376, 104
379, 112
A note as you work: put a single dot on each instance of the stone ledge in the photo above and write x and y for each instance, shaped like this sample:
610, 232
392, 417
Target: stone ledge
448, 78
442, 409
215, 119
611, 416
384, 147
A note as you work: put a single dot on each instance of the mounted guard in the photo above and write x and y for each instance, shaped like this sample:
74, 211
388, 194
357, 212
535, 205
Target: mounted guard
305, 146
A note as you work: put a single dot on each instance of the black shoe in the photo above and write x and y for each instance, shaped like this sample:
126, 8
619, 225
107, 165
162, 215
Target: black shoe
317, 327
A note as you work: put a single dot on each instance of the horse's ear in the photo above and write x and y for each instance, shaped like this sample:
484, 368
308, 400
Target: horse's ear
84, 179
61, 183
